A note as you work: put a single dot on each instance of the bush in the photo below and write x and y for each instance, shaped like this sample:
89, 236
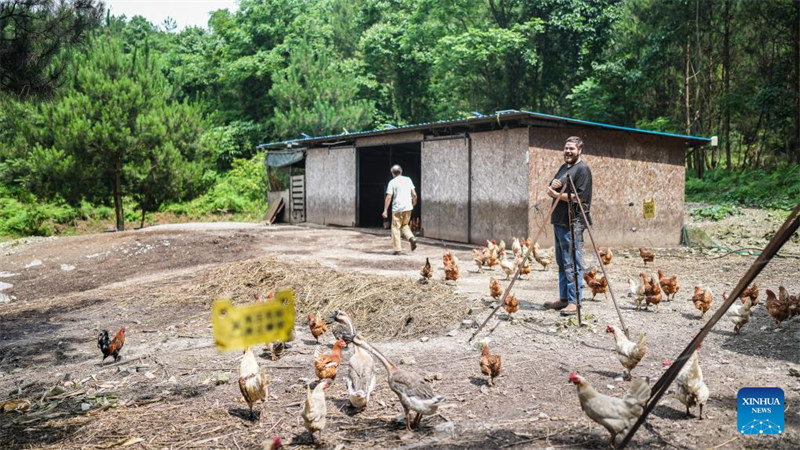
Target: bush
31, 219
715, 213
777, 189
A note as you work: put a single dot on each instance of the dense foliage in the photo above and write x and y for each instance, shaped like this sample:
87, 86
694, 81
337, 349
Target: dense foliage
119, 118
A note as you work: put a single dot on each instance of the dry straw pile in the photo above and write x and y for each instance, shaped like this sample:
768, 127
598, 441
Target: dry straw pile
382, 307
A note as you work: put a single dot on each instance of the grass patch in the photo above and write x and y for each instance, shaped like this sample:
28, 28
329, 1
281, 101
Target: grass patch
777, 188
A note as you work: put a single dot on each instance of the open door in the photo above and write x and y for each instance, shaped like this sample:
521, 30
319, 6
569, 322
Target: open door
445, 178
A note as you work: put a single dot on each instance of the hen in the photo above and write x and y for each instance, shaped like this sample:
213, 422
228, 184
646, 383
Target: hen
793, 300
491, 365
252, 382
779, 309
317, 326
691, 390
617, 415
739, 314
113, 346
668, 285
327, 365
316, 409
427, 271
451, 271
646, 256
702, 300
652, 292
541, 258
524, 269
275, 348
511, 304
629, 353
360, 378
495, 289
636, 292
597, 285
508, 267
605, 256
516, 248
751, 293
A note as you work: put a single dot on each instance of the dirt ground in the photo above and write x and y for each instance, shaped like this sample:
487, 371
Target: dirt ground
172, 389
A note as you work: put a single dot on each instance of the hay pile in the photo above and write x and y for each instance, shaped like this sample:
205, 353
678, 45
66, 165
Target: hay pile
382, 307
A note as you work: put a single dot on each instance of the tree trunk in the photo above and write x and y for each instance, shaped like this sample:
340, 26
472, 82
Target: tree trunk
726, 81
797, 84
698, 158
118, 195
141, 225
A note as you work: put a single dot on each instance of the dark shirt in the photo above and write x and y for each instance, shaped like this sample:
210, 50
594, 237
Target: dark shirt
582, 177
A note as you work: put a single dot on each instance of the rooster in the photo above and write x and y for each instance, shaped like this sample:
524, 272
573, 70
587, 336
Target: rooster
629, 353
668, 285
702, 300
315, 410
491, 365
327, 365
427, 271
617, 415
495, 289
646, 256
691, 390
252, 382
317, 326
739, 314
605, 256
112, 347
511, 304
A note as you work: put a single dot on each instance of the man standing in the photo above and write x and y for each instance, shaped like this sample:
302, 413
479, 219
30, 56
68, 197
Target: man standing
576, 168
402, 195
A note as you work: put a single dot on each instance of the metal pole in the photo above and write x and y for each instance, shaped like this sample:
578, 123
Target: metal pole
781, 236
571, 216
597, 254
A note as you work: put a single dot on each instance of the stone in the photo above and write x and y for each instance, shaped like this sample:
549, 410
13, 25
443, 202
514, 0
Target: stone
424, 339
453, 333
85, 406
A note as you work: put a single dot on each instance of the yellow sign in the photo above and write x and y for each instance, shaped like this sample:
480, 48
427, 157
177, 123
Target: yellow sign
237, 327
649, 209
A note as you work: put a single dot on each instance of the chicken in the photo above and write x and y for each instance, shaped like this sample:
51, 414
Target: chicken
491, 365
597, 285
652, 292
646, 256
751, 293
541, 258
629, 353
275, 348
360, 378
427, 271
252, 382
617, 415
516, 248
636, 292
605, 256
451, 271
793, 300
112, 347
511, 304
524, 269
495, 289
317, 326
273, 443
508, 267
690, 388
779, 309
480, 257
327, 365
668, 285
316, 409
702, 300
739, 314
502, 247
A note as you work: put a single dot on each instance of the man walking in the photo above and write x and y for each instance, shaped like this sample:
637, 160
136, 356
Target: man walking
401, 194
581, 175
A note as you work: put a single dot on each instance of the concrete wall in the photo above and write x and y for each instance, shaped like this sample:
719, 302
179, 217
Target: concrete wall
626, 168
500, 183
331, 186
445, 179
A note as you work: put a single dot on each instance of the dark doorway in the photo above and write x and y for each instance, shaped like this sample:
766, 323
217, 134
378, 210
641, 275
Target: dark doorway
373, 176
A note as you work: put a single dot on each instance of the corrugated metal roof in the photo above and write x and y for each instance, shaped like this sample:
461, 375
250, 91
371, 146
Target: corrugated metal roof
499, 116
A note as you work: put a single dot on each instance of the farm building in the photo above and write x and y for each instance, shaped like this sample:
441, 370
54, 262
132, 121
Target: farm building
484, 177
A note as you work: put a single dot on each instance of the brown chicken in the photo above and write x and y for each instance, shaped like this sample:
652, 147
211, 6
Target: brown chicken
327, 365
451, 271
524, 269
616, 415
113, 346
751, 293
779, 309
427, 271
317, 326
794, 301
480, 257
605, 256
702, 300
315, 410
252, 382
652, 292
495, 289
669, 286
597, 285
646, 256
491, 365
511, 304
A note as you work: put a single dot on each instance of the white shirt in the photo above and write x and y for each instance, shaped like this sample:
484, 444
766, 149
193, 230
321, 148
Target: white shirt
400, 188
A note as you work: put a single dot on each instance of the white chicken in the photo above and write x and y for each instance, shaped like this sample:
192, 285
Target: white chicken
315, 410
691, 390
360, 378
516, 248
508, 266
617, 415
636, 291
738, 313
252, 382
629, 353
